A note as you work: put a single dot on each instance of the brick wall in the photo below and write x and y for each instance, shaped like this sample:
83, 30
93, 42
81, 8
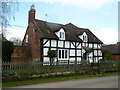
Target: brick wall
117, 57
21, 53
33, 41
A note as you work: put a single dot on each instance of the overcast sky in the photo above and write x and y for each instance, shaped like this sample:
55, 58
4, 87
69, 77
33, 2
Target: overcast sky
100, 16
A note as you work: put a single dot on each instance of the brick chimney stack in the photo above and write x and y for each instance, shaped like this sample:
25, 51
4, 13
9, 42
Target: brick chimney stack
31, 16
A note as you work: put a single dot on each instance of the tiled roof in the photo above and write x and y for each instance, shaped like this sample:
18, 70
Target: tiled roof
113, 48
47, 30
88, 49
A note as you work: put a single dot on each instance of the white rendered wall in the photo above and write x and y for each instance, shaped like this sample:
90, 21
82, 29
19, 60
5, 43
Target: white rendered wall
72, 45
46, 59
67, 44
72, 52
91, 57
79, 46
60, 43
45, 50
79, 60
57, 33
53, 43
83, 51
100, 58
95, 53
78, 52
47, 44
44, 40
72, 60
53, 48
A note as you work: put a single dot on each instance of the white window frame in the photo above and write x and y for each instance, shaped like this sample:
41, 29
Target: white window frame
63, 57
62, 35
84, 37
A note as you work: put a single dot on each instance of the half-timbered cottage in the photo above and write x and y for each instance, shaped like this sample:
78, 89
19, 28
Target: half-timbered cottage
71, 42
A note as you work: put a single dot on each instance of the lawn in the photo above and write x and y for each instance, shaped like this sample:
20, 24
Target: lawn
52, 79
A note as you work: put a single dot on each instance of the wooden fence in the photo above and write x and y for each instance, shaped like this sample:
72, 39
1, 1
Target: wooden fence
30, 68
109, 65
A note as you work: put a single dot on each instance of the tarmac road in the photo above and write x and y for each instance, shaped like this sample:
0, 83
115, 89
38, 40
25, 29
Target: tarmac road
97, 82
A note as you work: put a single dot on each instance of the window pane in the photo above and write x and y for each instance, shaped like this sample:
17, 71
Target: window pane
59, 53
27, 38
62, 53
65, 53
63, 35
60, 35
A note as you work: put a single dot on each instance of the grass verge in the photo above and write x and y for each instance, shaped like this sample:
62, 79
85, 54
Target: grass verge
52, 79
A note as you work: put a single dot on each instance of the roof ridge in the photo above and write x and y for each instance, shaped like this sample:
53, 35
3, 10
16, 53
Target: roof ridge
49, 22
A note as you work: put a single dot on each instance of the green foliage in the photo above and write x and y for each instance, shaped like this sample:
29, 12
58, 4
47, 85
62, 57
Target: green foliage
52, 53
108, 55
7, 49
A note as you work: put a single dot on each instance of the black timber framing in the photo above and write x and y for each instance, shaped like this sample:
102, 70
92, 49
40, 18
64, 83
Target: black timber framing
41, 49
70, 48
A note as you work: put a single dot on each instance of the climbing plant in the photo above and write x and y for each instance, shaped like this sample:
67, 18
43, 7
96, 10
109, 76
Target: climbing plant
52, 54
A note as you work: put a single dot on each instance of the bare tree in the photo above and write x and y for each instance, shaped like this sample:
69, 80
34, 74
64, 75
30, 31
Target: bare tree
16, 41
7, 12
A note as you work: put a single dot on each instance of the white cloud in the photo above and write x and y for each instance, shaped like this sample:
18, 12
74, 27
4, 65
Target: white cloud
19, 33
89, 4
107, 13
107, 35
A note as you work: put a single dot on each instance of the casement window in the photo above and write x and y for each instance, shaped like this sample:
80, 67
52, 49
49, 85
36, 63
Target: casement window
59, 53
90, 45
27, 38
85, 44
100, 53
95, 52
62, 35
95, 45
66, 53
62, 54
84, 38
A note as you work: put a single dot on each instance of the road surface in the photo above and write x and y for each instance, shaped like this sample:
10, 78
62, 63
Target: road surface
98, 82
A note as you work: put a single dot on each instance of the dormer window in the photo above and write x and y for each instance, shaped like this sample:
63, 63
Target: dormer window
84, 37
61, 34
